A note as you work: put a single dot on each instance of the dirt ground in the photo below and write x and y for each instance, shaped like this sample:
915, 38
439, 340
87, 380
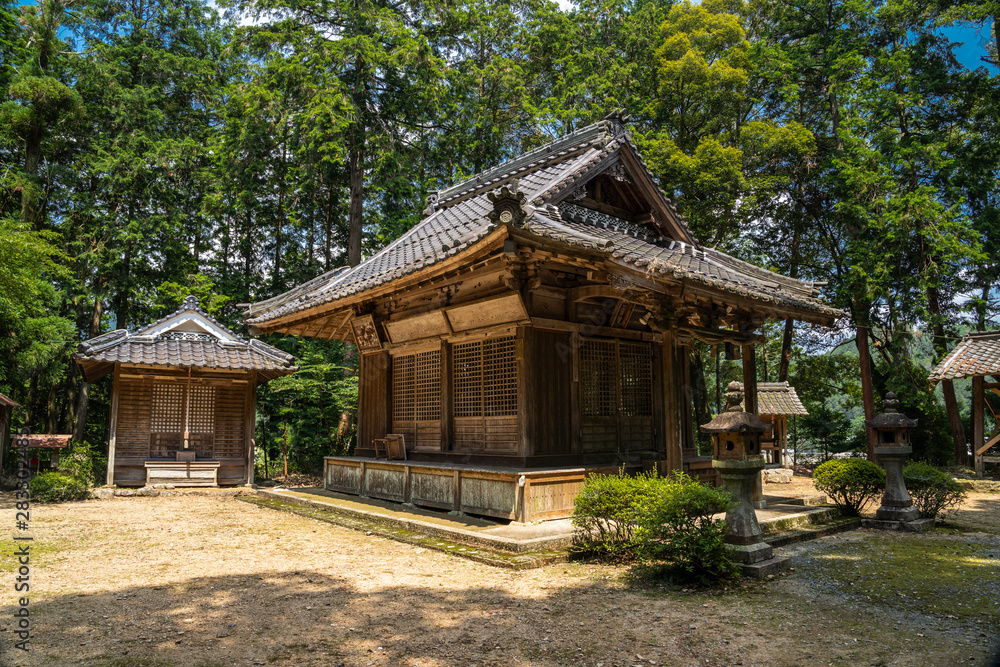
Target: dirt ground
199, 580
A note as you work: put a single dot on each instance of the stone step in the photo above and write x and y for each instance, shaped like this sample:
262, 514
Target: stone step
812, 532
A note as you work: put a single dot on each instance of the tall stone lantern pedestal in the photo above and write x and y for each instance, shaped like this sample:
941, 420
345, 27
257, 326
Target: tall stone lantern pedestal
736, 455
892, 431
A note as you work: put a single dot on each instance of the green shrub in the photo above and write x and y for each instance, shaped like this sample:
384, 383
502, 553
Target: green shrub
679, 531
606, 513
85, 464
54, 487
851, 483
932, 491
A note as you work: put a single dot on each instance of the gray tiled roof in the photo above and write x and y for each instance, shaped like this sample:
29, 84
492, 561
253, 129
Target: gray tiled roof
181, 349
978, 353
456, 220
778, 398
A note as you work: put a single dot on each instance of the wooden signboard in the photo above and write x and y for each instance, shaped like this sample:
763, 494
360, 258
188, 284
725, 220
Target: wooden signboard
489, 312
365, 334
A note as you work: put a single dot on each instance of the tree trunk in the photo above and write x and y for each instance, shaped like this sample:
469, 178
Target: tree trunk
284, 449
354, 220
947, 386
867, 391
94, 330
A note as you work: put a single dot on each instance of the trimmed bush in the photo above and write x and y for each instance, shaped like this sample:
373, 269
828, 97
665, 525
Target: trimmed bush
53, 487
85, 464
607, 512
679, 531
851, 483
932, 491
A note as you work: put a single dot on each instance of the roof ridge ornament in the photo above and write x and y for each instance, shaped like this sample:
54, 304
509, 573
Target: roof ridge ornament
509, 205
191, 302
432, 200
618, 118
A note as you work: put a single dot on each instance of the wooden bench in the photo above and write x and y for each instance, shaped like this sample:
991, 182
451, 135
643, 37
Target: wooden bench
183, 473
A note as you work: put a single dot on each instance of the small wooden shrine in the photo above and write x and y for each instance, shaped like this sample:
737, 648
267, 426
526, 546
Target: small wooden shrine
533, 327
38, 445
776, 402
183, 401
977, 356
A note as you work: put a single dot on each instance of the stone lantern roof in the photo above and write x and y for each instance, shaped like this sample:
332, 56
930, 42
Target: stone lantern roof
734, 419
890, 418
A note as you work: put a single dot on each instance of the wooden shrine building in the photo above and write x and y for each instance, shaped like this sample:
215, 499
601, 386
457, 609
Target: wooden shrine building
533, 327
183, 401
977, 356
776, 402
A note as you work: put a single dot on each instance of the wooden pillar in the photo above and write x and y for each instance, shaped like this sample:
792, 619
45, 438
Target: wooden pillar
113, 428
671, 419
750, 405
523, 352
446, 403
575, 426
978, 422
251, 428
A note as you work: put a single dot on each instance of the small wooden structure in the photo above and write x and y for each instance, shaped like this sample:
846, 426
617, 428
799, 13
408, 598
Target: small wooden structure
538, 320
977, 356
183, 402
38, 443
776, 402
7, 406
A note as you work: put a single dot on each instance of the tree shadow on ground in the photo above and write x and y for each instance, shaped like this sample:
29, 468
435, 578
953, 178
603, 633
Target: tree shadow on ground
307, 618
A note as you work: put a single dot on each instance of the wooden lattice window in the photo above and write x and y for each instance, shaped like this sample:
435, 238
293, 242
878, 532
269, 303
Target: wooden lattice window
416, 387
598, 378
427, 386
167, 409
201, 410
616, 379
467, 381
485, 378
636, 376
402, 388
499, 377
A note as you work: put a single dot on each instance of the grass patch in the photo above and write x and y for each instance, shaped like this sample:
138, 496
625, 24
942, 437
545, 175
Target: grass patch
939, 575
41, 554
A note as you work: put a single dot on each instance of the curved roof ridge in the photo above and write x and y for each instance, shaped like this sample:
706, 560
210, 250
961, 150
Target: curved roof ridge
601, 130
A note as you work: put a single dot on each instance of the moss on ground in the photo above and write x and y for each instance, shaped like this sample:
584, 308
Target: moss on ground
931, 574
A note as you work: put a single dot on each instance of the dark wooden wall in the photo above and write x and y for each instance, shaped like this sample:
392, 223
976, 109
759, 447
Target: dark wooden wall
551, 370
374, 404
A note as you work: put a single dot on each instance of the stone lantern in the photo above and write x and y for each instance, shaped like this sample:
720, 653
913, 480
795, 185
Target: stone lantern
892, 435
736, 455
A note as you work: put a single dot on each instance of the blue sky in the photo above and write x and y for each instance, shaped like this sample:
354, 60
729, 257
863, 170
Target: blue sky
970, 40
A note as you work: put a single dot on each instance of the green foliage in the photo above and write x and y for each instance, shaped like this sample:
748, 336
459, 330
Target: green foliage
679, 530
311, 413
932, 490
84, 464
851, 483
54, 487
607, 513
667, 521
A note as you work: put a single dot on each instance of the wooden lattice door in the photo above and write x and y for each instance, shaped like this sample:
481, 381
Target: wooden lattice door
178, 411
